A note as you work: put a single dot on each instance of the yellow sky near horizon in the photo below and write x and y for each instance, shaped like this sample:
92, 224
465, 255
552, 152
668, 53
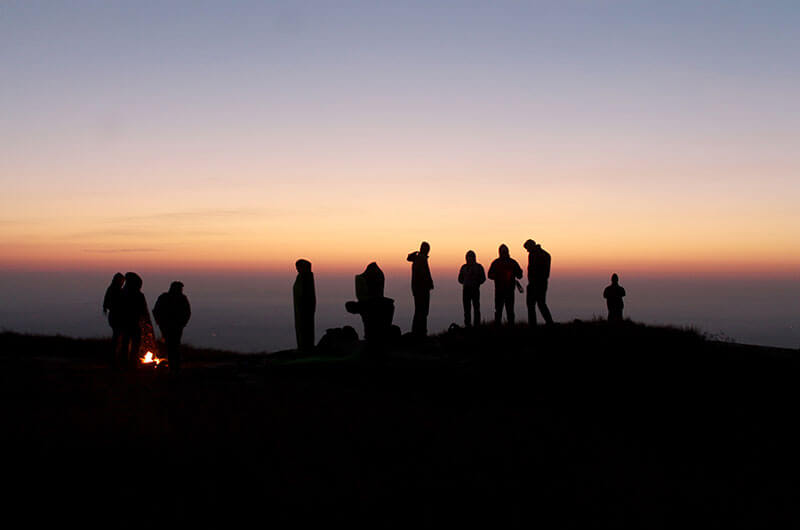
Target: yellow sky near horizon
653, 137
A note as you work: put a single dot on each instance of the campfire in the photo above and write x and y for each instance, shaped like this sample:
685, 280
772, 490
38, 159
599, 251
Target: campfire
151, 358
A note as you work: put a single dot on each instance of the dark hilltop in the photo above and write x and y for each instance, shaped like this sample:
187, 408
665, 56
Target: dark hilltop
576, 425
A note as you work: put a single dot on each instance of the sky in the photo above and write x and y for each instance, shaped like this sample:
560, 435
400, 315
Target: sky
648, 136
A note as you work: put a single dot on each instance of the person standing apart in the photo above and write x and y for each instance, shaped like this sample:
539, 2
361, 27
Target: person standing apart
471, 276
421, 287
538, 276
613, 295
504, 271
172, 312
305, 305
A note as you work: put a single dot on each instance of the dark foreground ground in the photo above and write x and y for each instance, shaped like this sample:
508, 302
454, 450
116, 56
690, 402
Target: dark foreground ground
580, 425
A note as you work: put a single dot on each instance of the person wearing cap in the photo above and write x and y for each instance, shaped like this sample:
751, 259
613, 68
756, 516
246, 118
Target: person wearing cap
538, 276
172, 312
504, 271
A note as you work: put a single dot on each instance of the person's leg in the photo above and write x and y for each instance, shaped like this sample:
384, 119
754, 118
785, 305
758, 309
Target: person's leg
422, 300
136, 341
116, 341
476, 303
415, 326
530, 302
173, 340
466, 302
498, 306
541, 302
425, 308
509, 302
121, 355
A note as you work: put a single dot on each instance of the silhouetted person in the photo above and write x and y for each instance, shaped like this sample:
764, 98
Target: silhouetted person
613, 295
471, 276
111, 308
504, 271
538, 275
421, 286
172, 312
376, 310
305, 305
132, 310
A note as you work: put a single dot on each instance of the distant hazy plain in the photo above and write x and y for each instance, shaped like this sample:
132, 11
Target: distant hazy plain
253, 312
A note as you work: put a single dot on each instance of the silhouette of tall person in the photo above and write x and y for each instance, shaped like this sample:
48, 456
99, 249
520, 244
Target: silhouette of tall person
111, 307
538, 275
504, 271
132, 309
421, 286
613, 295
471, 276
305, 305
172, 312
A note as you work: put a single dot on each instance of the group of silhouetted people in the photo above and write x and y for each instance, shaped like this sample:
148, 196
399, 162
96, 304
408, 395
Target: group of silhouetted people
126, 307
128, 316
377, 311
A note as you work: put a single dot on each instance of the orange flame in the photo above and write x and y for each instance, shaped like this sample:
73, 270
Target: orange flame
150, 358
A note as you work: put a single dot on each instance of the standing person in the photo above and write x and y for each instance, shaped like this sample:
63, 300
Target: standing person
538, 275
172, 312
471, 276
421, 286
111, 309
613, 295
305, 305
504, 271
132, 311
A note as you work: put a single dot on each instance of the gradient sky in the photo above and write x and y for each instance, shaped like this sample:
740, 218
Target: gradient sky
657, 136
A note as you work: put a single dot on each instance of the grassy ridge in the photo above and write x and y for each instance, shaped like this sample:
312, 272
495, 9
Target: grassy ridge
581, 424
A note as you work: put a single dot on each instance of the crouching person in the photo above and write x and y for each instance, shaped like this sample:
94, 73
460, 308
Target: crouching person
377, 311
172, 313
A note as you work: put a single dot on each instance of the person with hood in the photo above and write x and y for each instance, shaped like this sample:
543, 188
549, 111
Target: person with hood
172, 312
111, 309
538, 275
376, 310
613, 295
421, 287
305, 305
132, 312
471, 276
504, 271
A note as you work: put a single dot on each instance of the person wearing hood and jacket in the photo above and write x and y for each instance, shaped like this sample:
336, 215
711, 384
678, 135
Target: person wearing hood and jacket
504, 271
111, 308
305, 305
172, 312
132, 310
471, 276
421, 286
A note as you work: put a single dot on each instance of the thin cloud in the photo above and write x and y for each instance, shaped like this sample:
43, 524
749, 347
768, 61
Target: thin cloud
120, 250
197, 214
